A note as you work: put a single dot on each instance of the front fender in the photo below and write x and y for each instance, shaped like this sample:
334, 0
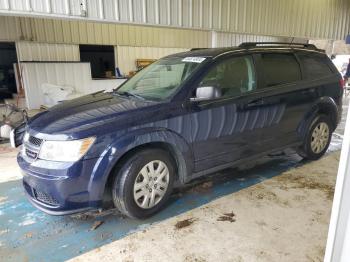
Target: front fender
118, 148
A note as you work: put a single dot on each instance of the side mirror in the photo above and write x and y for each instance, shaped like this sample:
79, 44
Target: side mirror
206, 93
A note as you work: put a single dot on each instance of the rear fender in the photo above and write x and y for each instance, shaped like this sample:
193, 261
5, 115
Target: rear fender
324, 105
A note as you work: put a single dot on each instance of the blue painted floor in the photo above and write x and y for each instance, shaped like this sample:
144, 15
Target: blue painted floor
27, 234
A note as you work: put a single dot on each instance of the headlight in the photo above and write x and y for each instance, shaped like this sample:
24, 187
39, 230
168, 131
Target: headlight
65, 151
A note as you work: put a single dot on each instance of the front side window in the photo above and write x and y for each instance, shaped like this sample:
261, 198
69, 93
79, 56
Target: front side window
161, 79
280, 69
232, 77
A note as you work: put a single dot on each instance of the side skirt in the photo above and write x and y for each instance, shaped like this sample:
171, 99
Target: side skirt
240, 161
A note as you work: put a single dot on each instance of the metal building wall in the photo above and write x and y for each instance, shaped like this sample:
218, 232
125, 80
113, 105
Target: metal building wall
229, 39
127, 55
83, 32
329, 19
29, 51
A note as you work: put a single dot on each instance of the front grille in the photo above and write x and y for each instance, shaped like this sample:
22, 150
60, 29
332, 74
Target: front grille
45, 198
31, 154
35, 141
32, 147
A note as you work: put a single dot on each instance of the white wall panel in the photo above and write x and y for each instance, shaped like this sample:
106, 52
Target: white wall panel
40, 6
300, 18
60, 7
29, 51
19, 5
4, 4
95, 9
77, 7
127, 55
76, 75
110, 9
174, 10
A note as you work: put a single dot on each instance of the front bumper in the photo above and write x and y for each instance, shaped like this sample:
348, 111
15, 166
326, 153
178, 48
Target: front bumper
59, 188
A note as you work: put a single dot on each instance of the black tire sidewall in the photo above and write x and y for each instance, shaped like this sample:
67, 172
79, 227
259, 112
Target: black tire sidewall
309, 154
122, 190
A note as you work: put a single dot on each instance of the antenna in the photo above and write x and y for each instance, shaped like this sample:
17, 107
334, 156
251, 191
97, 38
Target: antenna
291, 42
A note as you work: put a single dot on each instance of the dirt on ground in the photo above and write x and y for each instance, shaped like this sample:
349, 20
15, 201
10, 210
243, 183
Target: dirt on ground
281, 219
184, 223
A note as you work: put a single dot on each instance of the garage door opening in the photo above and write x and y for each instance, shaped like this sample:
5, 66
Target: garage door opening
101, 59
8, 57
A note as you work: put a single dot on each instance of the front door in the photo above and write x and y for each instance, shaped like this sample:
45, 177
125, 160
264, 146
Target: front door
228, 127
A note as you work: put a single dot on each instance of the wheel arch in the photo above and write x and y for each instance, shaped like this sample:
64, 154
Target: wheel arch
124, 147
323, 106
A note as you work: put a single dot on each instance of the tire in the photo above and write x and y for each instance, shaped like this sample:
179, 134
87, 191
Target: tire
133, 189
317, 139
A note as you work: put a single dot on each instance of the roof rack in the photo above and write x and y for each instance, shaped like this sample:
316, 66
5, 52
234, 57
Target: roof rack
198, 48
255, 44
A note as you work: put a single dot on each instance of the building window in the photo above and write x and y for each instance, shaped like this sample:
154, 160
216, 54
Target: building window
101, 59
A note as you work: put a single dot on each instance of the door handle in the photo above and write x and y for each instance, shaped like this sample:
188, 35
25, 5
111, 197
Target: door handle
254, 103
308, 91
251, 104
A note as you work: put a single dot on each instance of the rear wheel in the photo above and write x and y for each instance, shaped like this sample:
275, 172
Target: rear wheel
144, 183
317, 139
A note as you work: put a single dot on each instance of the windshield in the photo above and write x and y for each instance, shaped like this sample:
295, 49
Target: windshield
161, 79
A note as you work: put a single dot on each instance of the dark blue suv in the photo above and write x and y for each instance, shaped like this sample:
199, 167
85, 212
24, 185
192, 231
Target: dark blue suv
184, 116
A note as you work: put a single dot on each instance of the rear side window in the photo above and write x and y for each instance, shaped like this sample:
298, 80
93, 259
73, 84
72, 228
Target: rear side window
280, 68
315, 66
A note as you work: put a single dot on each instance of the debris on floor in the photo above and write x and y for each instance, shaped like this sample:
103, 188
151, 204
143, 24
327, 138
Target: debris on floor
184, 223
230, 217
96, 225
29, 235
202, 188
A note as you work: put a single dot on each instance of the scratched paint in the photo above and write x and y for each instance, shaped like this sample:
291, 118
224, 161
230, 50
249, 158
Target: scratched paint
27, 234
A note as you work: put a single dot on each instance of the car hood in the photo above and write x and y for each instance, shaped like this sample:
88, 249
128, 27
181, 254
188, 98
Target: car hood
87, 112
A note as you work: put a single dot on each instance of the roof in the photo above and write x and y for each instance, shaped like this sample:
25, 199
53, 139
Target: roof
206, 52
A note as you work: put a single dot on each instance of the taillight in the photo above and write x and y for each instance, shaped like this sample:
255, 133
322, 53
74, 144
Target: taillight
342, 83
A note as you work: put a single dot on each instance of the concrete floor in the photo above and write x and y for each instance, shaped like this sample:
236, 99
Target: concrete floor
276, 211
284, 218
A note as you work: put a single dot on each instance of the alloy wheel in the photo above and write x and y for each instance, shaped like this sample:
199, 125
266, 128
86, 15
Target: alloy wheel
151, 184
319, 137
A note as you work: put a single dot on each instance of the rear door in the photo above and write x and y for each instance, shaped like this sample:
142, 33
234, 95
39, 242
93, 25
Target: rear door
321, 75
286, 95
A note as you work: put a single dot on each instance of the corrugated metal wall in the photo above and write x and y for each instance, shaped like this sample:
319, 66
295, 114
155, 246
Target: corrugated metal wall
82, 32
127, 55
310, 19
227, 39
29, 51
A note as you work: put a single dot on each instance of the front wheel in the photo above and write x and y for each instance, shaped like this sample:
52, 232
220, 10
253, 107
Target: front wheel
317, 139
144, 183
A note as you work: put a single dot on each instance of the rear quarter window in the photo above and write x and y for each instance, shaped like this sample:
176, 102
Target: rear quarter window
280, 68
315, 66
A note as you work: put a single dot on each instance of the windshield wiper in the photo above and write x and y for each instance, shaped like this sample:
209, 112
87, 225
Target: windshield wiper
126, 93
